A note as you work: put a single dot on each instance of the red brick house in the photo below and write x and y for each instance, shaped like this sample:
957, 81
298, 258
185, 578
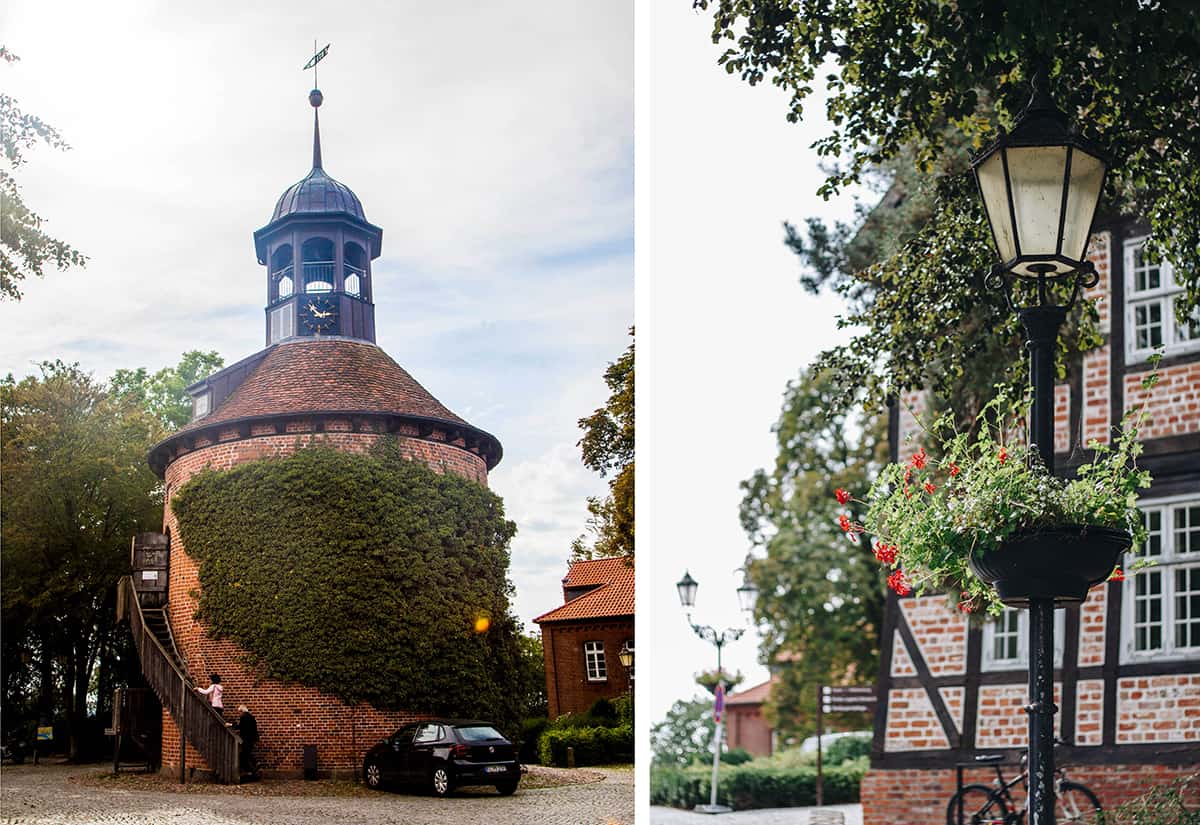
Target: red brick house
582, 639
321, 377
1128, 659
745, 725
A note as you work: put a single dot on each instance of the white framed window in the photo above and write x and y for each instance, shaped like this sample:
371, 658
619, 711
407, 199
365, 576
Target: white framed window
593, 658
1151, 291
1162, 601
200, 404
1006, 640
283, 323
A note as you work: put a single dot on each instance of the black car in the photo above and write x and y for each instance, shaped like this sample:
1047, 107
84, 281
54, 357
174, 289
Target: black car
444, 754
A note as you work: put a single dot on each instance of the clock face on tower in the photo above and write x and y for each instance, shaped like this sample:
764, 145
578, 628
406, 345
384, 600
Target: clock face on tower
318, 313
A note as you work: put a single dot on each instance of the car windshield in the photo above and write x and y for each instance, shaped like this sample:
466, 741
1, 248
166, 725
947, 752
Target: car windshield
478, 733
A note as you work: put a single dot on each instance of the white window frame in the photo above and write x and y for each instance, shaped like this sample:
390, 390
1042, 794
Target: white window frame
201, 404
594, 663
1163, 296
283, 322
989, 660
1168, 561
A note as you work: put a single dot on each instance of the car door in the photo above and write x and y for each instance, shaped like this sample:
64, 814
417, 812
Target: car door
420, 754
396, 755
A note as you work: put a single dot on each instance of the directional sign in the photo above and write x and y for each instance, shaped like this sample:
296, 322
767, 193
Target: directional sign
835, 692
847, 699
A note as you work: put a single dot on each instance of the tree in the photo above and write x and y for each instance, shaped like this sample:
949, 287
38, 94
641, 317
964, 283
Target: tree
163, 394
24, 247
77, 486
902, 77
607, 447
532, 681
821, 597
685, 735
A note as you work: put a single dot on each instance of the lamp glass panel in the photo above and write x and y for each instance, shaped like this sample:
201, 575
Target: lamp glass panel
747, 596
1087, 177
1036, 173
995, 201
687, 592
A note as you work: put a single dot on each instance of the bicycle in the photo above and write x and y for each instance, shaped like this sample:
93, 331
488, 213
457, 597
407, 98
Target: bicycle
979, 804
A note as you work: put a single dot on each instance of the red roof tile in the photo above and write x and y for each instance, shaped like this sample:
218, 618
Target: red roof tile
613, 597
753, 695
326, 376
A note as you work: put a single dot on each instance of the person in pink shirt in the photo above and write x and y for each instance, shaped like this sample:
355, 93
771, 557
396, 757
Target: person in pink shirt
214, 691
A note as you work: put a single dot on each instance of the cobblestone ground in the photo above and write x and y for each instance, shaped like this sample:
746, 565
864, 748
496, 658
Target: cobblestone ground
45, 795
829, 815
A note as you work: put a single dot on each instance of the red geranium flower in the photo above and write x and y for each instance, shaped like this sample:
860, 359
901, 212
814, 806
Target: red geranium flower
844, 523
886, 553
919, 458
896, 582
955, 470
1002, 455
1118, 575
929, 487
842, 495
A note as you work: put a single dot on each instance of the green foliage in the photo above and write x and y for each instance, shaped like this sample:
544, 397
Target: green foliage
76, 487
820, 597
531, 677
163, 393
531, 733
931, 514
607, 446
593, 745
755, 785
24, 247
685, 735
847, 749
913, 84
1176, 803
709, 679
736, 756
363, 576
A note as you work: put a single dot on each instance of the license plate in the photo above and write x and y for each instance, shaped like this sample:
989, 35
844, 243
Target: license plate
495, 769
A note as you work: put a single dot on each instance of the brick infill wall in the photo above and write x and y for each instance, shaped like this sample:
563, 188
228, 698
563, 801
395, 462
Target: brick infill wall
289, 715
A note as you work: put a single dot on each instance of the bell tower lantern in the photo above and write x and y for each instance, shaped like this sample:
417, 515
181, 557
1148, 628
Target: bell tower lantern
318, 249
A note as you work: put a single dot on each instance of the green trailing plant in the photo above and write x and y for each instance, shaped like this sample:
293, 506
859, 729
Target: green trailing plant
371, 577
975, 489
1176, 803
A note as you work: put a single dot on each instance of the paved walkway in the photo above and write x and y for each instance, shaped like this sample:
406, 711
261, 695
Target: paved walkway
829, 815
45, 795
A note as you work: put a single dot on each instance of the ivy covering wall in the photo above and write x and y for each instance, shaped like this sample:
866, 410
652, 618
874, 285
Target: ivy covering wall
370, 577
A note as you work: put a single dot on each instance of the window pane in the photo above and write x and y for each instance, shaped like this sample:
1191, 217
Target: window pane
1190, 330
1187, 607
1153, 545
1187, 529
1147, 610
1147, 323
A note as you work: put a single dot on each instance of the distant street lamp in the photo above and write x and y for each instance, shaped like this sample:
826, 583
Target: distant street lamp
625, 655
748, 592
687, 587
1041, 185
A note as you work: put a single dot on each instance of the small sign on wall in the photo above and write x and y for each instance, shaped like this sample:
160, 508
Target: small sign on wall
149, 575
45, 734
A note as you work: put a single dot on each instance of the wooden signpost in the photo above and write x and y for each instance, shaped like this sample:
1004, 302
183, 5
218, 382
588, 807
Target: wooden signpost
838, 699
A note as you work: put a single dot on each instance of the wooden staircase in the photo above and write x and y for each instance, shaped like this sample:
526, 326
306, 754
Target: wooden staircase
166, 673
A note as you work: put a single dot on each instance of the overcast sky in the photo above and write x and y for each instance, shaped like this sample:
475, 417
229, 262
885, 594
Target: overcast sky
723, 326
493, 144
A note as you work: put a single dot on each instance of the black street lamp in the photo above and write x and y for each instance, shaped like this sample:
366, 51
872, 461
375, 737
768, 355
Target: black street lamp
687, 587
748, 592
625, 655
1040, 186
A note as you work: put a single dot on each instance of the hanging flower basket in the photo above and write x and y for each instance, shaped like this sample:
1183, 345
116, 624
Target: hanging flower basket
1060, 563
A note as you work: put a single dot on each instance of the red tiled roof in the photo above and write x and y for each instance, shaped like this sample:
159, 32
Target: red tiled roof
753, 695
326, 376
613, 597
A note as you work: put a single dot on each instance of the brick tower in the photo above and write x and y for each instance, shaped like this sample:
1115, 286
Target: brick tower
321, 376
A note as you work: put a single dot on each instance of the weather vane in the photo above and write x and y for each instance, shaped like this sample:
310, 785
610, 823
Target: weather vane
317, 57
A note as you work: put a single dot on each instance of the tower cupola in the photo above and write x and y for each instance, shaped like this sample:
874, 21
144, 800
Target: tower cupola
318, 249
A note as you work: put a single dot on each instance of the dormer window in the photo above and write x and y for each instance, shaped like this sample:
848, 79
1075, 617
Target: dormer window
200, 404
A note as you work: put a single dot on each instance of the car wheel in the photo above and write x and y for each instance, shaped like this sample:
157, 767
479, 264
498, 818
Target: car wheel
372, 775
507, 788
439, 780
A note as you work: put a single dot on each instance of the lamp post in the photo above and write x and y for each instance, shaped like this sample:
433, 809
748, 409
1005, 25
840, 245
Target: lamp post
1040, 185
625, 655
687, 587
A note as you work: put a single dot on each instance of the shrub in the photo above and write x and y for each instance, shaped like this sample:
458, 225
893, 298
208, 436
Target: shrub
846, 748
531, 732
736, 756
593, 745
1177, 803
602, 710
753, 786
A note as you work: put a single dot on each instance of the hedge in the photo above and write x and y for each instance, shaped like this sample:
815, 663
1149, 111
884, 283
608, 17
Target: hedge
593, 746
742, 787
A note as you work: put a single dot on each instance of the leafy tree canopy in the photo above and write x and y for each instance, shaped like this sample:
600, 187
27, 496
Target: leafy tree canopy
685, 735
915, 85
363, 576
24, 247
163, 393
821, 597
607, 447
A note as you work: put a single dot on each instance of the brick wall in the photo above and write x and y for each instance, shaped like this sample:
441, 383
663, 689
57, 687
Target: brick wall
746, 728
567, 685
289, 715
1173, 405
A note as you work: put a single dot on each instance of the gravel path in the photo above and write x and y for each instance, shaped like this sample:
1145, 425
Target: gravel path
64, 795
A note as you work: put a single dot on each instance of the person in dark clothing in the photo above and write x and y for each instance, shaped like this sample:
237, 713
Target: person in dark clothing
247, 728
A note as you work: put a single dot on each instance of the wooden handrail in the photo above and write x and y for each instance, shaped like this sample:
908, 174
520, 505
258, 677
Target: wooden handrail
198, 721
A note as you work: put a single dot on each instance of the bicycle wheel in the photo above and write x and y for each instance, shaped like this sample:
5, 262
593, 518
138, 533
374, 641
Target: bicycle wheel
1076, 803
980, 806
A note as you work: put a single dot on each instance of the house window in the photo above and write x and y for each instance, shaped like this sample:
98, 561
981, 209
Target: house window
283, 323
1006, 640
1162, 617
1151, 292
200, 405
593, 657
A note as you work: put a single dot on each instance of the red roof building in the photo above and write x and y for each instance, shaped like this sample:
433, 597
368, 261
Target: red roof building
745, 726
582, 639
